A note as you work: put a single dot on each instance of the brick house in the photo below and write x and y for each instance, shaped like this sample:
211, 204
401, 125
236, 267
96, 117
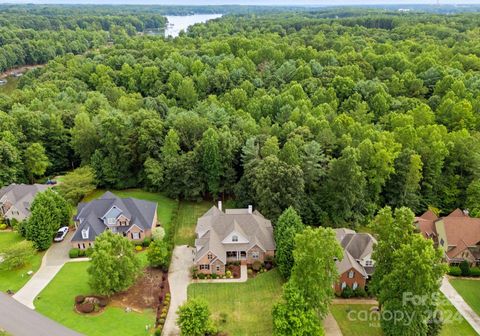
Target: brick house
234, 235
129, 217
457, 234
16, 199
357, 266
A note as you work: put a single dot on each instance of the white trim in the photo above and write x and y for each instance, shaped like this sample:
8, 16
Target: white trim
133, 226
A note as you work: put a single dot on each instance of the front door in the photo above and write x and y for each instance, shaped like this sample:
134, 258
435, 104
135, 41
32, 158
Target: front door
243, 255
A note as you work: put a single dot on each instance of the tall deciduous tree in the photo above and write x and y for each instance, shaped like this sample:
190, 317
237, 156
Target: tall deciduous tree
114, 266
412, 288
314, 272
289, 224
76, 184
36, 161
293, 317
211, 160
194, 318
84, 137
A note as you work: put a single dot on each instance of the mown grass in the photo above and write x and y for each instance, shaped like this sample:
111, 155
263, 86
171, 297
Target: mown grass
470, 291
15, 279
56, 301
188, 213
350, 318
248, 305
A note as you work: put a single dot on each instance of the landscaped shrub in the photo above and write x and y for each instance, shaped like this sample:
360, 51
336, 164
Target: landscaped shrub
81, 253
250, 271
3, 226
475, 272
465, 268
161, 321
201, 276
359, 292
454, 271
86, 308
79, 299
229, 274
73, 253
347, 292
158, 332
214, 276
257, 265
146, 242
138, 248
158, 233
88, 252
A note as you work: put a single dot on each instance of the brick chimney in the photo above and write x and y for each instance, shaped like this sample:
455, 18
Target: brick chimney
219, 205
250, 209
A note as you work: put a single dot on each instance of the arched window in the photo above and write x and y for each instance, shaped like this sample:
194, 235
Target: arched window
355, 285
344, 284
234, 238
351, 274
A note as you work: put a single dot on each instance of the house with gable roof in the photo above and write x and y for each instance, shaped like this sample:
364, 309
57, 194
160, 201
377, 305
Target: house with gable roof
232, 235
16, 199
130, 217
457, 234
357, 265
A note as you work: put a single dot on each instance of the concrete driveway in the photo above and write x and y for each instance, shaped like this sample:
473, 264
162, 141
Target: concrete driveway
18, 320
463, 308
53, 260
179, 279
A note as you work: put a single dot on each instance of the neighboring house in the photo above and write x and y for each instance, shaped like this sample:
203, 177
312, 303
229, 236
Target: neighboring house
234, 235
130, 217
457, 234
357, 265
16, 199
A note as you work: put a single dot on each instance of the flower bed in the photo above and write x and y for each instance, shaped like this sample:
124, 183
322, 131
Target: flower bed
163, 302
91, 304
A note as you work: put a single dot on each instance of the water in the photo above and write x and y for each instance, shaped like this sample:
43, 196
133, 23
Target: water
177, 23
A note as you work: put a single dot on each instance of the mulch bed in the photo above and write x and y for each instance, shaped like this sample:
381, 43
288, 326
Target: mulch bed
235, 269
145, 292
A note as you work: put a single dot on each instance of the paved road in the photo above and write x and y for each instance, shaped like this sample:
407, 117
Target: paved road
18, 320
178, 278
52, 262
462, 307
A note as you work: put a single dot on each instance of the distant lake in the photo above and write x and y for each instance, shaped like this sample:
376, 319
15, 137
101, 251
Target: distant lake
177, 23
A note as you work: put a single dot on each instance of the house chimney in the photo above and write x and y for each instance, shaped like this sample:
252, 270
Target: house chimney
250, 209
219, 205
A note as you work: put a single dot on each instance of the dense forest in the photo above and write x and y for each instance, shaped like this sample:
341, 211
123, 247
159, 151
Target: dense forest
336, 116
35, 36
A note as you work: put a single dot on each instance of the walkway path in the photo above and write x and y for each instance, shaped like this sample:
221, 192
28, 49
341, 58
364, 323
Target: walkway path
243, 277
462, 307
331, 327
18, 320
53, 260
364, 301
178, 278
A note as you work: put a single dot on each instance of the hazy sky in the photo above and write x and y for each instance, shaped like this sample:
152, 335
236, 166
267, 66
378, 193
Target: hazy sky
244, 2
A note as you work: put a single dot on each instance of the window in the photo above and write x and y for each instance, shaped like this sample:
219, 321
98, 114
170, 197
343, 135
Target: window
255, 255
344, 284
135, 235
351, 274
234, 238
442, 242
85, 233
368, 263
110, 221
231, 254
205, 267
210, 256
218, 268
355, 285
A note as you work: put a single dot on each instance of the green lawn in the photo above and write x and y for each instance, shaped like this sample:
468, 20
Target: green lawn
351, 319
56, 302
454, 324
12, 83
15, 279
248, 305
188, 213
470, 291
165, 204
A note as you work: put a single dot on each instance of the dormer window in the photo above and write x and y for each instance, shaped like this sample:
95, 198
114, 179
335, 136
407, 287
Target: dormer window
234, 238
110, 221
351, 274
210, 256
85, 233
